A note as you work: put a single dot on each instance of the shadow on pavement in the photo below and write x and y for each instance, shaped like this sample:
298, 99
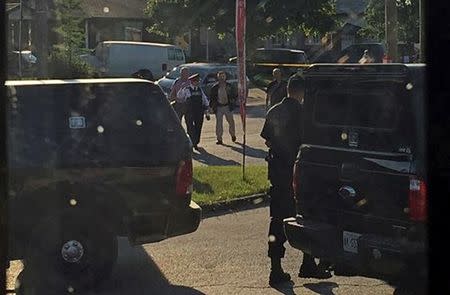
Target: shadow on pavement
286, 289
322, 288
249, 151
209, 159
137, 274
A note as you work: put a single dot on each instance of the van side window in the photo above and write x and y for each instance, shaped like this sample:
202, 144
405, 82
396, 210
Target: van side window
175, 54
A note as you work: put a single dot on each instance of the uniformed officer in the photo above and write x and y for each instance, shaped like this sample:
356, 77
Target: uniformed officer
197, 105
282, 132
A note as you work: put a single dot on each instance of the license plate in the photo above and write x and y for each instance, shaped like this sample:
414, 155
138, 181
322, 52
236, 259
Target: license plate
350, 241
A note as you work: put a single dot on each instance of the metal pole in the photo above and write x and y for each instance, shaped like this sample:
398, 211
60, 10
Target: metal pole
207, 44
421, 32
244, 152
391, 29
20, 39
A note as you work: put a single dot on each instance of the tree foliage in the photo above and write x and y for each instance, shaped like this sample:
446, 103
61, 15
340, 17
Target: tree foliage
264, 17
69, 27
408, 20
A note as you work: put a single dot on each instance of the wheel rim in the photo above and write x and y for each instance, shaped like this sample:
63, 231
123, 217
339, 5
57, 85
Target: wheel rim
72, 251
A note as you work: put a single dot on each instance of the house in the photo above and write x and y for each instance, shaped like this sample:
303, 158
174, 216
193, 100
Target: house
13, 27
351, 12
114, 20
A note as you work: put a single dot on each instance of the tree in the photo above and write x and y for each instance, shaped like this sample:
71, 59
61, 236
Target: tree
64, 60
265, 18
69, 28
408, 20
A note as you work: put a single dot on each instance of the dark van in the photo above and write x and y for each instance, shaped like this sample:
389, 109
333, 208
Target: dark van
90, 160
360, 180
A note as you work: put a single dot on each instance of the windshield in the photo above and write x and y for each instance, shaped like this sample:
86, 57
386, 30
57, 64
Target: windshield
281, 56
289, 159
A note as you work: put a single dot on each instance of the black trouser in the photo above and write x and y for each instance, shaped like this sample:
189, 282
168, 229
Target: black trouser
194, 122
180, 109
282, 204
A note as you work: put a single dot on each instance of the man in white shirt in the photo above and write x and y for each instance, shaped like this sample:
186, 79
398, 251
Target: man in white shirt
180, 83
197, 105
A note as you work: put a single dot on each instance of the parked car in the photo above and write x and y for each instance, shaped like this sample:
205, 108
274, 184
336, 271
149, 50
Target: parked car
353, 53
360, 180
91, 160
208, 75
124, 58
29, 62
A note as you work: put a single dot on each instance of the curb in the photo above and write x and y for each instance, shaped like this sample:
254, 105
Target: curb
248, 202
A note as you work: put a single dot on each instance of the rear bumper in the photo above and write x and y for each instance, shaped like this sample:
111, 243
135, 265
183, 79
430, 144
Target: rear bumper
376, 256
155, 227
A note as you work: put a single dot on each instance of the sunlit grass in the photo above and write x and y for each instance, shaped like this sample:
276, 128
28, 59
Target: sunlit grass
213, 184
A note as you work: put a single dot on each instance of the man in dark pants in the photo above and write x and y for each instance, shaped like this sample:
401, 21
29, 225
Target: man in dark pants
282, 132
197, 105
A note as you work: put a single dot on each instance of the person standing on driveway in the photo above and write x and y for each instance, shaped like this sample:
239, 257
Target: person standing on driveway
276, 90
223, 101
282, 131
197, 105
180, 83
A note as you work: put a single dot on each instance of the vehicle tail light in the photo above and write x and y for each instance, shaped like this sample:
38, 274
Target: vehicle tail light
296, 181
184, 183
164, 67
417, 199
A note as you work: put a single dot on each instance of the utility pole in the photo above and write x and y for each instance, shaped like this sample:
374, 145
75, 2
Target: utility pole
41, 37
207, 44
421, 31
20, 38
391, 27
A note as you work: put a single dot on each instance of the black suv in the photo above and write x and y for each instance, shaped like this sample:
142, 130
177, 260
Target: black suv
359, 179
90, 160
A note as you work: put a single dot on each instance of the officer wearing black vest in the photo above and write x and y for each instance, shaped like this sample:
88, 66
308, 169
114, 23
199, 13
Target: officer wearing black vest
197, 105
282, 131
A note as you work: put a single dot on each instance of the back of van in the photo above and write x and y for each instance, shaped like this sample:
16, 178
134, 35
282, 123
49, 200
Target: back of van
126, 58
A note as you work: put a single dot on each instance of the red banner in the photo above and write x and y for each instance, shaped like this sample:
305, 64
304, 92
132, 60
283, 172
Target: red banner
240, 47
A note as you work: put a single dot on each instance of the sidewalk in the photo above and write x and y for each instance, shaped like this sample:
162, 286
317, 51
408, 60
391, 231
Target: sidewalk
230, 153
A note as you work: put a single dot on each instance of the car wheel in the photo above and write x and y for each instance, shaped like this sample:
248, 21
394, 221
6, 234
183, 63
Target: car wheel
71, 252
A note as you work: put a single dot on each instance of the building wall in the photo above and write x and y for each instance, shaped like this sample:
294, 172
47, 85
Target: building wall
113, 29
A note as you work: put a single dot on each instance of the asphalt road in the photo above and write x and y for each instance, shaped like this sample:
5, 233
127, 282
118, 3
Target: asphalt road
227, 255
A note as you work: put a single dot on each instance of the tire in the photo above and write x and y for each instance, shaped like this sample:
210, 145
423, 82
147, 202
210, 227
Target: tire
71, 251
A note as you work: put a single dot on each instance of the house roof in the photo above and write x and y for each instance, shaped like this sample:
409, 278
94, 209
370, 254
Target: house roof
114, 8
351, 6
11, 6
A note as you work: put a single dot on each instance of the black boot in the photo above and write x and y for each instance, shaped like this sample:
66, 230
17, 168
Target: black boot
277, 274
309, 269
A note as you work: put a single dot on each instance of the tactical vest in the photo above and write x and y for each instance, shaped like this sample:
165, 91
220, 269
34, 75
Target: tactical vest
195, 101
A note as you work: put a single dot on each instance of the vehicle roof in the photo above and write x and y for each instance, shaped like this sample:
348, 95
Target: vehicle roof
281, 49
207, 65
73, 81
139, 43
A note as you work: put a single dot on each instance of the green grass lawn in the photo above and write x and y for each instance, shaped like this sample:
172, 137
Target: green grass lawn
213, 184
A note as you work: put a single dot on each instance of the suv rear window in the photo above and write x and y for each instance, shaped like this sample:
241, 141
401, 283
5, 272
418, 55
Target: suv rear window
372, 110
377, 108
72, 125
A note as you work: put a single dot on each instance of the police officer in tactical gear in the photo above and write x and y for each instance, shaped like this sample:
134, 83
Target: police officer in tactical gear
197, 105
282, 131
